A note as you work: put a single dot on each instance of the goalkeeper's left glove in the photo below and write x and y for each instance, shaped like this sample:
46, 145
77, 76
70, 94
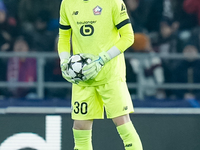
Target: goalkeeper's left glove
91, 70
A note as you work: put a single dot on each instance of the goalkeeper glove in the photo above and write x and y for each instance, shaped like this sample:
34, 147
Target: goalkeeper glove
91, 70
64, 69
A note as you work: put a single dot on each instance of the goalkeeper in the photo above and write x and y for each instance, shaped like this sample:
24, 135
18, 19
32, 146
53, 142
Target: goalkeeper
100, 30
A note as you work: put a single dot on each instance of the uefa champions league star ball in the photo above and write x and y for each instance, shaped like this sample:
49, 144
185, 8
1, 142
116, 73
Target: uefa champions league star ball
75, 66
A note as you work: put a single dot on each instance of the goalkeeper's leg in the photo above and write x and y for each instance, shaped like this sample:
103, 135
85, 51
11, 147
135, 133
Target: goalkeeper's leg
128, 133
82, 131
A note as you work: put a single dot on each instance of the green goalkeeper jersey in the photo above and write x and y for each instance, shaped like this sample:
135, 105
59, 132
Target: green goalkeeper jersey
94, 26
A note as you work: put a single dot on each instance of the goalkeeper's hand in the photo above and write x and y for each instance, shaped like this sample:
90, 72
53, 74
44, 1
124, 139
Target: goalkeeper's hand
64, 70
91, 70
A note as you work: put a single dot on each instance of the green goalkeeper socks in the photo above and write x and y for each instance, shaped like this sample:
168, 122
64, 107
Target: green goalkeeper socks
83, 139
129, 136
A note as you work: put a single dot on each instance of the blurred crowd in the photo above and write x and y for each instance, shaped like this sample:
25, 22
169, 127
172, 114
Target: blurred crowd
160, 26
165, 27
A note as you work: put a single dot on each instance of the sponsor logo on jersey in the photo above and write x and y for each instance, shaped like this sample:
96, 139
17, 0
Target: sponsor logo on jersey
97, 10
75, 13
86, 22
123, 10
123, 7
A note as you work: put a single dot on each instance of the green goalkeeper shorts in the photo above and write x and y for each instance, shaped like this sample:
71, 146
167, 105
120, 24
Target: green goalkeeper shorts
88, 102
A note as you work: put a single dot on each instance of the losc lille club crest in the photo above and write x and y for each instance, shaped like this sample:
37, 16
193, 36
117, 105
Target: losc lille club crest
97, 10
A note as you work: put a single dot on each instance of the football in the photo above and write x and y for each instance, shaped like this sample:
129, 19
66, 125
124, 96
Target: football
75, 66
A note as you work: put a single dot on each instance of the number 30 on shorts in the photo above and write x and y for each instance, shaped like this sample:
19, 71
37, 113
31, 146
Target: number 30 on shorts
80, 107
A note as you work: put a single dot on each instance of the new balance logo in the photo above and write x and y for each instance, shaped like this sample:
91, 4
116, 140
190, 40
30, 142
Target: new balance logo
125, 108
75, 13
129, 145
123, 7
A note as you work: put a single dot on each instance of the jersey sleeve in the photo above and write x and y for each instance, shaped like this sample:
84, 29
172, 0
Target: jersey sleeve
123, 24
119, 13
64, 23
126, 37
64, 30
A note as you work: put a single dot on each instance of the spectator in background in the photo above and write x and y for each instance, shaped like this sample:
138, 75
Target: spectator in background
172, 9
186, 21
43, 39
29, 17
11, 6
166, 45
4, 41
8, 28
167, 37
152, 71
135, 14
27, 14
41, 23
158, 10
188, 71
193, 7
21, 69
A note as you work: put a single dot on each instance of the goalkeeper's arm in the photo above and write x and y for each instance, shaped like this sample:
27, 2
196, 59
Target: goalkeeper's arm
64, 52
125, 41
64, 44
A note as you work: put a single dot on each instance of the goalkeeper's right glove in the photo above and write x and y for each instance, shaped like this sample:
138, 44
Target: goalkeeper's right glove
64, 69
91, 70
